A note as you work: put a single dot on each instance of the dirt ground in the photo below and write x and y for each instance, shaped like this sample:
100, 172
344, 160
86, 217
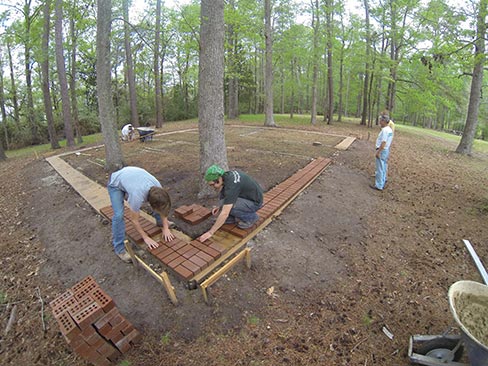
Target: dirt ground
343, 260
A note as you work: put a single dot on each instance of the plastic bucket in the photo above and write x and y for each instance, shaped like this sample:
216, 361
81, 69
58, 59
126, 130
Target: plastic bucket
461, 295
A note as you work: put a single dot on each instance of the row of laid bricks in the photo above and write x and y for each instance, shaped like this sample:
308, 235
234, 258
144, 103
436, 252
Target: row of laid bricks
193, 214
282, 193
91, 323
149, 227
187, 259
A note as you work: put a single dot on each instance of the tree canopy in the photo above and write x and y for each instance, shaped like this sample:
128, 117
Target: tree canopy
414, 58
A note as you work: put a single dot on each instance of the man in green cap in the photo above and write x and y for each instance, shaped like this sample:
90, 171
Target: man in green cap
240, 197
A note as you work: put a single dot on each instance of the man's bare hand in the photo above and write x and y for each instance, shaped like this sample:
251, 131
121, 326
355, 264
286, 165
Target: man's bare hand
205, 236
168, 235
151, 244
215, 210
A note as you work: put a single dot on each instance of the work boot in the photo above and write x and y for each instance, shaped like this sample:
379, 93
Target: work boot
125, 257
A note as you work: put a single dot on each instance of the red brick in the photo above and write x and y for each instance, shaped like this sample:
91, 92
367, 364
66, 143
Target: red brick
79, 305
184, 249
85, 281
191, 266
129, 328
219, 248
116, 320
207, 258
88, 315
94, 339
134, 336
161, 246
61, 298
190, 253
165, 253
207, 251
176, 262
62, 306
105, 319
116, 334
123, 345
179, 245
183, 272
107, 212
199, 262
194, 218
67, 326
170, 258
103, 299
183, 211
173, 243
81, 292
84, 350
108, 351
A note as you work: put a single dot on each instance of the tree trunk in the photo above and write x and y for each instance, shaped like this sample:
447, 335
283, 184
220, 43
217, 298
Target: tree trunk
292, 96
113, 153
268, 71
134, 115
466, 143
315, 72
2, 106
13, 88
28, 75
4, 113
233, 101
45, 77
211, 90
330, 75
364, 113
157, 76
74, 99
63, 82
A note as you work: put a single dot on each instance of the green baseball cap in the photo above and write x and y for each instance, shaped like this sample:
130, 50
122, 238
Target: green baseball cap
213, 173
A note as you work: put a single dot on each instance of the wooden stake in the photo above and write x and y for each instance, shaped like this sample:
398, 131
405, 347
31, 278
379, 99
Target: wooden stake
11, 320
246, 253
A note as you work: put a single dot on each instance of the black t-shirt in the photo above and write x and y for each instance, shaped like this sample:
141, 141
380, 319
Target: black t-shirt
239, 184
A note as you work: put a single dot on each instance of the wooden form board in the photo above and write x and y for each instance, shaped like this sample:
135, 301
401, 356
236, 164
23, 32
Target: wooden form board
344, 144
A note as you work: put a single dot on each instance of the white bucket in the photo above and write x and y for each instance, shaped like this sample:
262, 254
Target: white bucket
477, 351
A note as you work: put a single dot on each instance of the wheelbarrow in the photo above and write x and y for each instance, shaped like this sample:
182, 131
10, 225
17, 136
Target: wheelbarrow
145, 133
468, 301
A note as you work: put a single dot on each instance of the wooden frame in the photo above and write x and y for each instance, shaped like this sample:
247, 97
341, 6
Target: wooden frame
246, 253
162, 277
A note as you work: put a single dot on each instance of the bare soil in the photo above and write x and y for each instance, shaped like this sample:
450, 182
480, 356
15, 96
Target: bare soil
339, 264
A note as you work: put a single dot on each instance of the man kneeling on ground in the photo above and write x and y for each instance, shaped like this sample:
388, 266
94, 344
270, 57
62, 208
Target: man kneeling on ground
138, 186
240, 197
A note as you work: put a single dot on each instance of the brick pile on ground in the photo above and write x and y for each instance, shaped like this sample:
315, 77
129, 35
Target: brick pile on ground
91, 323
193, 214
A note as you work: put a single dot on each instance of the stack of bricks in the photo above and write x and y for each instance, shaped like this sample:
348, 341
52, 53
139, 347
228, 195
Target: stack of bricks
282, 194
91, 323
187, 259
193, 214
149, 227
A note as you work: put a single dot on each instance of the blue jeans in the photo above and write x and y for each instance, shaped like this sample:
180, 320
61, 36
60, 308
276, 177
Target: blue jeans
382, 169
118, 224
245, 210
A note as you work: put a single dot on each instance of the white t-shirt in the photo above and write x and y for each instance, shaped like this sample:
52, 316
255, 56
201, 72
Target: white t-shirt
126, 131
386, 134
136, 183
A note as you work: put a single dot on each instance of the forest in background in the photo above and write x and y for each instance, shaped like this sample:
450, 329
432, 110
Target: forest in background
414, 58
